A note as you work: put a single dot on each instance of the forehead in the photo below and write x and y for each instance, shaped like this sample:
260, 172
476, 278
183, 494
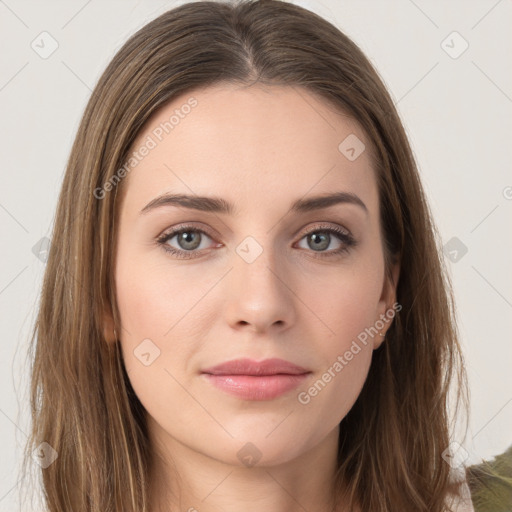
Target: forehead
258, 143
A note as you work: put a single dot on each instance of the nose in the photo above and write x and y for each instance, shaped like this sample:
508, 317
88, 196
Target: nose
259, 293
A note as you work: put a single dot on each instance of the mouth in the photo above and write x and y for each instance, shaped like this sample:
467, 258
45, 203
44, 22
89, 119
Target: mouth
253, 380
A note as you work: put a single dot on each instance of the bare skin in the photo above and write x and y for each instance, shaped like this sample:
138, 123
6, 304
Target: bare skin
261, 149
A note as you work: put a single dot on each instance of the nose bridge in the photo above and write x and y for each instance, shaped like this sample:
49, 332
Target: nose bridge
258, 294
256, 264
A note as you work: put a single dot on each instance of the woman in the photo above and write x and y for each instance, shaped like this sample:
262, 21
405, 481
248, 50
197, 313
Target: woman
244, 305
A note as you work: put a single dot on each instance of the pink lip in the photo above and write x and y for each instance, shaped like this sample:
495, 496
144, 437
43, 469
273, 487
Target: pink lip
253, 380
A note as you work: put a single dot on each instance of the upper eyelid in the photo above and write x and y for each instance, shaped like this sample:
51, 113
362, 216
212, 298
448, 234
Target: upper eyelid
171, 232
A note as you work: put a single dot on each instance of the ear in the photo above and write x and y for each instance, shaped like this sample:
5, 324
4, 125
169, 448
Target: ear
386, 308
108, 326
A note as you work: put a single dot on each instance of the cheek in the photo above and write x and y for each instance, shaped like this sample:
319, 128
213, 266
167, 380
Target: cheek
346, 354
348, 302
348, 306
152, 302
333, 391
149, 309
153, 312
163, 322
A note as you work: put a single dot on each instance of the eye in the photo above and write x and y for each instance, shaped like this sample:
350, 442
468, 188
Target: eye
320, 238
190, 241
188, 238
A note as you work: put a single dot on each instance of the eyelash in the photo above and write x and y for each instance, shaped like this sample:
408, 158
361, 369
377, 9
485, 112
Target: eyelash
342, 235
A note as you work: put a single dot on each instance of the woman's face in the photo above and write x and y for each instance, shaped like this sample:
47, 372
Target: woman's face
258, 271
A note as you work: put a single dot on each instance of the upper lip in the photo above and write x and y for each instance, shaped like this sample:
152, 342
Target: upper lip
257, 368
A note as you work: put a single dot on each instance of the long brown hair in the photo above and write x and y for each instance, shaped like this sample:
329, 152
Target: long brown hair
82, 404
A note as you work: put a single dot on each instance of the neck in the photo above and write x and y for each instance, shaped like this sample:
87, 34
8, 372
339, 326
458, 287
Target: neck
192, 481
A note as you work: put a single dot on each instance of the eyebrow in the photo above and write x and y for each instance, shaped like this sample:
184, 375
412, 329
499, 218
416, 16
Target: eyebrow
219, 205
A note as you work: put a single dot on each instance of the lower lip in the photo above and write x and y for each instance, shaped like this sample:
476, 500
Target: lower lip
250, 387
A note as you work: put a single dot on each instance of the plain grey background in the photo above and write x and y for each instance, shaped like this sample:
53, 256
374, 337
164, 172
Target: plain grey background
447, 66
